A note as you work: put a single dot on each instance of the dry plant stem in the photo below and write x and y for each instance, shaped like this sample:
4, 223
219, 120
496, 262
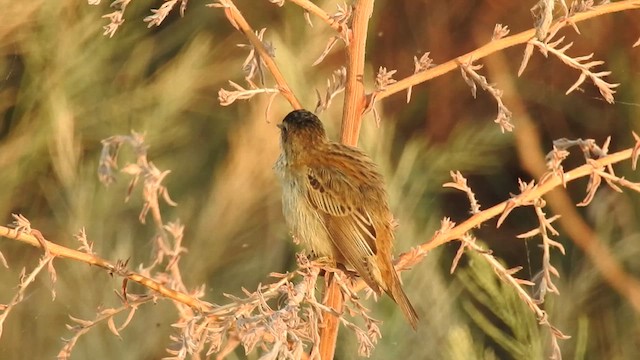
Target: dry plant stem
513, 282
173, 267
497, 45
459, 231
532, 158
354, 105
543, 188
241, 24
408, 259
25, 281
317, 11
354, 98
331, 323
84, 327
61, 251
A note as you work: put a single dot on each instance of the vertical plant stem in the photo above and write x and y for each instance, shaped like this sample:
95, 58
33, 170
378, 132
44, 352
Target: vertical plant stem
330, 323
354, 99
354, 105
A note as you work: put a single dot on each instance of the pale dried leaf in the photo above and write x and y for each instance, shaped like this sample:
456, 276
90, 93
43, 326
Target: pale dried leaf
499, 31
330, 44
112, 327
528, 51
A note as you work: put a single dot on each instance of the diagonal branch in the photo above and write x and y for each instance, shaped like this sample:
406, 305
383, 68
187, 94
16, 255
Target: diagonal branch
61, 251
498, 45
630, 289
532, 158
538, 191
238, 21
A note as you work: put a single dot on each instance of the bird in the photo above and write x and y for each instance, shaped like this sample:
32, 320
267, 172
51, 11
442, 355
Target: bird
335, 203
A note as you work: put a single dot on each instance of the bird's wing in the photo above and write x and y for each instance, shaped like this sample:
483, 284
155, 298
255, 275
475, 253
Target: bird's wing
348, 222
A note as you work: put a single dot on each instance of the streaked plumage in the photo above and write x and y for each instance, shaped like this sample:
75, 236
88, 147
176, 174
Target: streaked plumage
335, 202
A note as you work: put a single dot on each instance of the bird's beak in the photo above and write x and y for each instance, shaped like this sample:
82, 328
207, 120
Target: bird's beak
279, 126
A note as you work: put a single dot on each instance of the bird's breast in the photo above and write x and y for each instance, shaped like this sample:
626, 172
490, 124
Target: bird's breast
304, 221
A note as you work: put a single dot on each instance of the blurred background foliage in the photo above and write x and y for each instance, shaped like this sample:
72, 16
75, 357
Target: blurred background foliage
64, 87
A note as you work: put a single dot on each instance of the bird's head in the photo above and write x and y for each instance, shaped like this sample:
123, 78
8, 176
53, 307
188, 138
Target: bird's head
299, 131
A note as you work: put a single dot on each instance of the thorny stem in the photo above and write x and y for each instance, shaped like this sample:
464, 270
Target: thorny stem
241, 24
173, 262
61, 251
532, 156
498, 45
80, 330
541, 189
22, 287
458, 232
502, 271
354, 98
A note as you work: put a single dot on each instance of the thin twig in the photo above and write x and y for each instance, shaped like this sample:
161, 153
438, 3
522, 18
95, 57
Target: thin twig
532, 158
537, 192
25, 281
412, 257
498, 45
61, 251
238, 21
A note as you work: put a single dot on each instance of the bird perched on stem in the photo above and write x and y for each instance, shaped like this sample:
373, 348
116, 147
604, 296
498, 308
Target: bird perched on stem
334, 201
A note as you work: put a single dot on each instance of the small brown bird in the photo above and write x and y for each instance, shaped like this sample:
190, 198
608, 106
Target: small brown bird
334, 201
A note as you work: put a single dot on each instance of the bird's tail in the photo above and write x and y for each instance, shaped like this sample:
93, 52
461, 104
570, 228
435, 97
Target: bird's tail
398, 295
